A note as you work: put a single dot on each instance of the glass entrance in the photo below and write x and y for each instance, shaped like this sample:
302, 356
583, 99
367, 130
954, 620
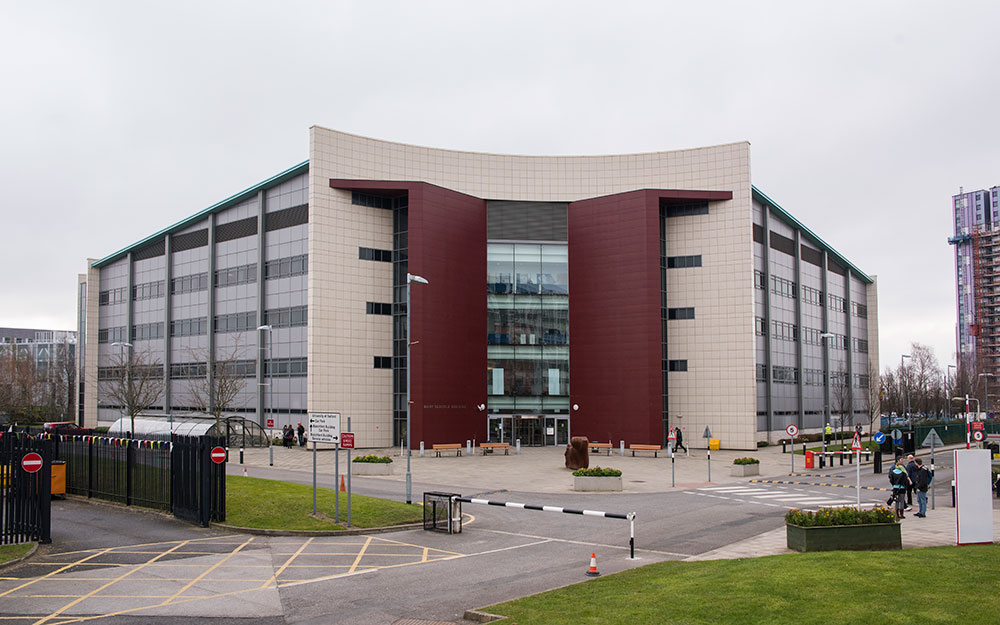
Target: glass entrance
556, 431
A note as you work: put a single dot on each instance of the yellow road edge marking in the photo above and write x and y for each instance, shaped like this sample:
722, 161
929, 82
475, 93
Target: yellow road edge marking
424, 558
209, 570
274, 576
47, 575
361, 554
162, 542
97, 590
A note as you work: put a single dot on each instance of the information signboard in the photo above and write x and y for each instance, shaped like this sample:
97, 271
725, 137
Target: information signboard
324, 427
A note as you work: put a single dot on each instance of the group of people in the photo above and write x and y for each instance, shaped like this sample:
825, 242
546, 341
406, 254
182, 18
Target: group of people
907, 476
289, 434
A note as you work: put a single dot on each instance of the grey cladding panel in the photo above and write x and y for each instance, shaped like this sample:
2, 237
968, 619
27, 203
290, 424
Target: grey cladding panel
527, 221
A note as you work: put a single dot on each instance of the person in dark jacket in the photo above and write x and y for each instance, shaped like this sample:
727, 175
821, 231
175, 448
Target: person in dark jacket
287, 434
899, 479
301, 431
921, 479
680, 441
911, 468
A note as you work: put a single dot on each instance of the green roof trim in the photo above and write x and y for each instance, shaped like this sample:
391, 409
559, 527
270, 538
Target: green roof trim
795, 223
273, 181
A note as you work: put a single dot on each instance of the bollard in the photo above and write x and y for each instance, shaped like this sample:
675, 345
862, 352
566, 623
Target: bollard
621, 445
803, 449
822, 460
877, 462
517, 447
468, 447
241, 455
841, 458
783, 449
953, 493
421, 449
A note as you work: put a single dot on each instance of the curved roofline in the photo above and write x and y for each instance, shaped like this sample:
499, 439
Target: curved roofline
760, 196
542, 156
275, 180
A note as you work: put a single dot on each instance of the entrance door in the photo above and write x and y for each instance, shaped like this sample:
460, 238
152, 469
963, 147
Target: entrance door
556, 431
500, 430
530, 429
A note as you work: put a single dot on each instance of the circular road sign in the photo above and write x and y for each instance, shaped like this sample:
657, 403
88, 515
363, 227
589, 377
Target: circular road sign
879, 437
792, 430
897, 435
31, 462
218, 455
976, 436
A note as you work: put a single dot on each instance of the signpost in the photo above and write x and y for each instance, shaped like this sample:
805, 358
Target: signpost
218, 455
324, 427
932, 439
31, 462
671, 447
792, 431
856, 447
707, 436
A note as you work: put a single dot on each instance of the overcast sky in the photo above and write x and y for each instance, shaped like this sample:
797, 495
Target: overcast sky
118, 119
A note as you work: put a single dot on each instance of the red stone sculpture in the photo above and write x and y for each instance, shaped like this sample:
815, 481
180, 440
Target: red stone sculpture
578, 453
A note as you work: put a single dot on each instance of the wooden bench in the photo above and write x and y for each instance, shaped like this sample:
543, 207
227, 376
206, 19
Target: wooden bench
489, 448
653, 448
601, 446
438, 448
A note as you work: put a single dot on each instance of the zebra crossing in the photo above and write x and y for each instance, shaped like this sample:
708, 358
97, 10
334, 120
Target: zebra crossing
777, 497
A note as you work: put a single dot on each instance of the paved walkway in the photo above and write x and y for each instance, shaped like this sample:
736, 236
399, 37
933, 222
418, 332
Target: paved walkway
542, 470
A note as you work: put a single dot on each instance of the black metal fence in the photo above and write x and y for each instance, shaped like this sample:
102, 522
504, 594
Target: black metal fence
25, 504
175, 476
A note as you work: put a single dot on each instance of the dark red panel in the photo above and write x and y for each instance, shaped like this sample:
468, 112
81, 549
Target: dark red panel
447, 246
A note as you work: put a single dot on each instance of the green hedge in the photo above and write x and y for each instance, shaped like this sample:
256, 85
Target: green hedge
597, 472
825, 517
746, 461
373, 459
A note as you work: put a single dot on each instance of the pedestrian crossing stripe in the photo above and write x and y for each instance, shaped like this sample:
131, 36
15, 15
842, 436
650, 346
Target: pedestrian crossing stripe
876, 488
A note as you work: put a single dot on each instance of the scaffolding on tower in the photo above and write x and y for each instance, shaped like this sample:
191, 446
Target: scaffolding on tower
986, 323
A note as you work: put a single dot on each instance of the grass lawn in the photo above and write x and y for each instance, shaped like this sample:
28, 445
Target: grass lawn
269, 504
13, 552
923, 586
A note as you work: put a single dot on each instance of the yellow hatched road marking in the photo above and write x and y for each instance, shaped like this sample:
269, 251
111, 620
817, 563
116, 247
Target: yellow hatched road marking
48, 575
361, 554
274, 576
209, 570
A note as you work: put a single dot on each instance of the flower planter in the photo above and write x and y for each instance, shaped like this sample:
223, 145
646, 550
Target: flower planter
584, 483
743, 470
844, 537
371, 468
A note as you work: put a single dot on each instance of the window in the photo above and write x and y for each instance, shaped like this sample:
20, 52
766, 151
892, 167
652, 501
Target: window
783, 287
677, 365
292, 317
859, 310
758, 279
284, 368
378, 308
368, 253
838, 304
680, 313
235, 322
197, 326
785, 375
243, 274
861, 381
112, 335
812, 296
683, 210
187, 370
784, 331
111, 296
681, 262
147, 331
861, 346
286, 267
148, 290
812, 377
762, 373
383, 362
760, 326
189, 284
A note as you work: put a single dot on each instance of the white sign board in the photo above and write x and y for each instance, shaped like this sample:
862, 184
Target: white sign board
973, 496
324, 427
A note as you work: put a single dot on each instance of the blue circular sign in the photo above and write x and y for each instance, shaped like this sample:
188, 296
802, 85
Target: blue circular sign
879, 437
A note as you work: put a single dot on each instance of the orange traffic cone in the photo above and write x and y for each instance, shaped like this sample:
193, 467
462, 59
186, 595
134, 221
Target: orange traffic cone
592, 571
244, 471
342, 489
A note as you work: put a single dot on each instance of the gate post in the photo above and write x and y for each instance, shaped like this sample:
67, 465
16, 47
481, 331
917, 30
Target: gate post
129, 457
45, 495
204, 481
90, 467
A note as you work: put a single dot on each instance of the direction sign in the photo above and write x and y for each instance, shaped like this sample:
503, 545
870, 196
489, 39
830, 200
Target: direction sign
792, 431
977, 425
347, 440
218, 455
978, 436
897, 435
31, 462
932, 440
324, 427
856, 443
708, 433
879, 437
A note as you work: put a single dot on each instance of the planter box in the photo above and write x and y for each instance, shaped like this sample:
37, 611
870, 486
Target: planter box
371, 468
597, 483
743, 470
845, 537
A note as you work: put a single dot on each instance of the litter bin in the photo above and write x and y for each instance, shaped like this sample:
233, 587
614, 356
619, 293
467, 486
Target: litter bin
809, 460
713, 443
58, 477
877, 462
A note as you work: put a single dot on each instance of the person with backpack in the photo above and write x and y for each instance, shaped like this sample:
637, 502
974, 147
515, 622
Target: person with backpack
899, 480
921, 482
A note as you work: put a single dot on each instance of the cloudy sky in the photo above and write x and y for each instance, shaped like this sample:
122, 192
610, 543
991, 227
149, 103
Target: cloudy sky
120, 118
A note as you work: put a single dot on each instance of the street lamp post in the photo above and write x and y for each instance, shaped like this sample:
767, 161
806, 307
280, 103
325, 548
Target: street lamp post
410, 278
826, 336
902, 384
270, 409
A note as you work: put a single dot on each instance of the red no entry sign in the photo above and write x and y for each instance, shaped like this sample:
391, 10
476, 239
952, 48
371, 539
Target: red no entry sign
31, 462
218, 455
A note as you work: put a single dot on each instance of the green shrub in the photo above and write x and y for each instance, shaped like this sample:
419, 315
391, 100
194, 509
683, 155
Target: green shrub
597, 472
747, 460
373, 458
825, 517
762, 444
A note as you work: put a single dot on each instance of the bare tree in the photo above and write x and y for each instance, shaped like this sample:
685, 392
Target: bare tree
136, 382
923, 379
873, 397
214, 394
843, 397
19, 388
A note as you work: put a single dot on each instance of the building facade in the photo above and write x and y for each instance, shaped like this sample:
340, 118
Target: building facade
38, 373
976, 216
611, 297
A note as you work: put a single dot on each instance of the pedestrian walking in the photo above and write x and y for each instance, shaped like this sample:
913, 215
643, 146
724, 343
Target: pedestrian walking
911, 468
680, 441
921, 479
286, 436
899, 479
301, 431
